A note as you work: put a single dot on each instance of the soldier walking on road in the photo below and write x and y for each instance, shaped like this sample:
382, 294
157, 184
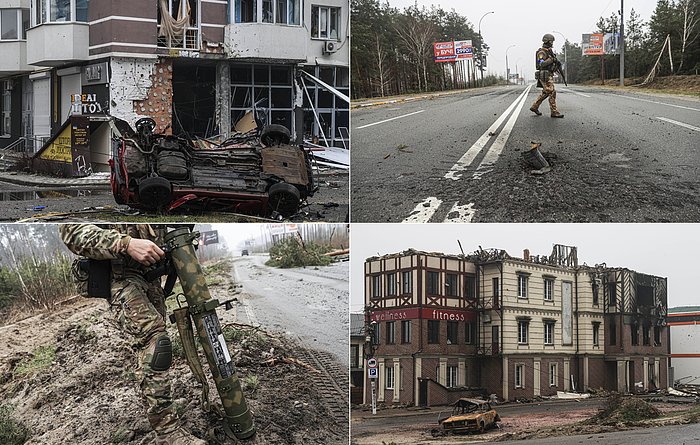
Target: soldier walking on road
546, 64
140, 309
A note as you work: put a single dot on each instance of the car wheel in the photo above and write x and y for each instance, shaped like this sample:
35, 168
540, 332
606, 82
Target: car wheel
275, 134
145, 126
482, 426
284, 199
155, 192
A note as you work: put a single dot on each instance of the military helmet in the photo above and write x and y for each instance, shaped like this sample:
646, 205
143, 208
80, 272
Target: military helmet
547, 38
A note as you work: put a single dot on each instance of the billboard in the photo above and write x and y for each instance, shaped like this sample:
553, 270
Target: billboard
444, 51
599, 44
592, 44
463, 49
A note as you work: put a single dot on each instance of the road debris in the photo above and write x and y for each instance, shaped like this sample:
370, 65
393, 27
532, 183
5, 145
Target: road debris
535, 159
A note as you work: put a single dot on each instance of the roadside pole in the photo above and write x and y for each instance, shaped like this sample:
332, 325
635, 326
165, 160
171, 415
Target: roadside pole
372, 373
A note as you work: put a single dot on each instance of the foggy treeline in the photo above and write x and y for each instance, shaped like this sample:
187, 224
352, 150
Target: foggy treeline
679, 19
335, 236
392, 50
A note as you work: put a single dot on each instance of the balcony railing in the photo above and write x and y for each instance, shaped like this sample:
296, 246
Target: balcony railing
189, 39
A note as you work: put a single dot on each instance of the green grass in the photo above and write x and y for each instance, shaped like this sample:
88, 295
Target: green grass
40, 359
252, 383
12, 431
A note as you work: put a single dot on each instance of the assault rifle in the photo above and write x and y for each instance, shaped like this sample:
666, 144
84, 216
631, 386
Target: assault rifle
557, 67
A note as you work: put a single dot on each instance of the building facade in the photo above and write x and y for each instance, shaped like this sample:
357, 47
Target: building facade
684, 325
195, 66
450, 326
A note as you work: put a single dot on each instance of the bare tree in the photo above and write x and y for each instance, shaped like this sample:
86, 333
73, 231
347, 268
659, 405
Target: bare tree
383, 75
417, 34
688, 34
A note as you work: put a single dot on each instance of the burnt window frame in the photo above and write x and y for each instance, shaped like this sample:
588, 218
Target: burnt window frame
433, 332
432, 282
469, 287
451, 289
391, 284
405, 331
452, 332
376, 286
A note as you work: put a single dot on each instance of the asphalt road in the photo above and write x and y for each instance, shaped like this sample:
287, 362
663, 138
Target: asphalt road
616, 157
310, 304
676, 434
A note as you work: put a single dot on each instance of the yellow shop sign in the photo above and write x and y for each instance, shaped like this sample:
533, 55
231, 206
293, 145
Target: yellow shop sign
60, 148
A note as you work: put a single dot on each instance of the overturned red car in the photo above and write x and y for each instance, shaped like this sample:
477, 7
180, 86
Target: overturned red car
256, 173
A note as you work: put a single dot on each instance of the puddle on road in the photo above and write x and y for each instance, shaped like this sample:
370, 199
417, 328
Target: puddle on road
48, 194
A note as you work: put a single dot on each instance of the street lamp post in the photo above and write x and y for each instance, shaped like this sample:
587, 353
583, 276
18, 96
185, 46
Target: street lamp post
481, 55
507, 66
566, 65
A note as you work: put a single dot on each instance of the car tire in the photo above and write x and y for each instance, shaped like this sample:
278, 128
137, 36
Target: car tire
284, 199
145, 126
275, 134
155, 192
482, 426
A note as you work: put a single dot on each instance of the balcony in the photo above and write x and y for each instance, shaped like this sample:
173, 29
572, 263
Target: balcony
56, 44
13, 54
262, 41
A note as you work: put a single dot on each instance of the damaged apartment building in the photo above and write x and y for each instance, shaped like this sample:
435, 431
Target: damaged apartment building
449, 326
195, 66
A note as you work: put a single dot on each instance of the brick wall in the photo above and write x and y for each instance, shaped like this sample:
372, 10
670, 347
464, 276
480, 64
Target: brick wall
159, 103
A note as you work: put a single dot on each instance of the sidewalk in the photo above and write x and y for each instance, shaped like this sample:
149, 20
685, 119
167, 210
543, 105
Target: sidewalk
100, 179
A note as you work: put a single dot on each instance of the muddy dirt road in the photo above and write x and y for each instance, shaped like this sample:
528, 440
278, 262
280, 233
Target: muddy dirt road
68, 375
310, 303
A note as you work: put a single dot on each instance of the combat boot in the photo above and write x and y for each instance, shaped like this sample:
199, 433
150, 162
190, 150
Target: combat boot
535, 110
557, 114
178, 437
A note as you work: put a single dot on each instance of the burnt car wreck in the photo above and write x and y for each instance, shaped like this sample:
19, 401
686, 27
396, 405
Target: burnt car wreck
255, 172
468, 416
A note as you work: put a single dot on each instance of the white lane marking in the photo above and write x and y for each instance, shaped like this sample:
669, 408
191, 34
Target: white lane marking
423, 211
657, 102
468, 157
497, 147
461, 214
390, 119
682, 124
575, 92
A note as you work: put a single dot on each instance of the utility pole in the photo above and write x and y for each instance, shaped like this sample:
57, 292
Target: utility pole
622, 43
481, 49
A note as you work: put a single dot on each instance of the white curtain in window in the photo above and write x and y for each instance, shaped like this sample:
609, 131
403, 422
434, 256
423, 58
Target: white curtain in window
169, 26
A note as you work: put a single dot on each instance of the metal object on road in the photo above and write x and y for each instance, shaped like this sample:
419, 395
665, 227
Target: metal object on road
238, 421
535, 159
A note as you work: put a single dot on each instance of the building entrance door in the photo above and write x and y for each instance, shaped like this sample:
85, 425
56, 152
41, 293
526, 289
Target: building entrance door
422, 392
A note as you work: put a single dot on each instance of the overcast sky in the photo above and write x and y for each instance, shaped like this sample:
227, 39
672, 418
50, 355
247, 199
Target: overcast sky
667, 250
523, 23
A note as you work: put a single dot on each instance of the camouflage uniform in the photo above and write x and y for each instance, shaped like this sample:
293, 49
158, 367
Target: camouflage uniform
546, 63
140, 305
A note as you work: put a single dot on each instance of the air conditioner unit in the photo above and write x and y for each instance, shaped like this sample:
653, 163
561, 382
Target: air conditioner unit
330, 47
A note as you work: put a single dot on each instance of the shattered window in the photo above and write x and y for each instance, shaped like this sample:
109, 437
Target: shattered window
433, 283
245, 11
376, 286
406, 282
452, 330
391, 284
325, 22
451, 288
406, 331
389, 332
469, 287
433, 331
596, 334
267, 13
178, 24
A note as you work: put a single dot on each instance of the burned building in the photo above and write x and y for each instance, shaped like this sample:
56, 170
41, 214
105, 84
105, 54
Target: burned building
450, 326
195, 66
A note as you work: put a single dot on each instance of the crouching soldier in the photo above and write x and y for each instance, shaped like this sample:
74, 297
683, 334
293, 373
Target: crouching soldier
140, 309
